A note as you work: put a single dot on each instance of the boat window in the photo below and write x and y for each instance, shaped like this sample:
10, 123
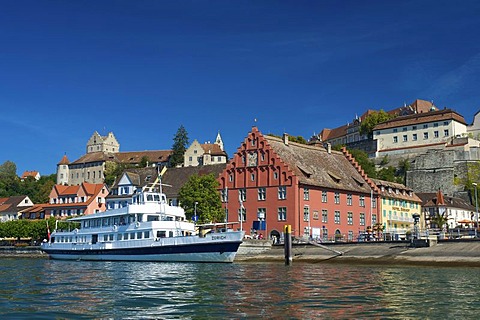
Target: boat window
119, 236
149, 197
156, 197
125, 236
152, 218
170, 234
132, 236
94, 238
146, 234
105, 237
161, 234
110, 237
115, 220
139, 235
106, 222
122, 221
86, 223
52, 239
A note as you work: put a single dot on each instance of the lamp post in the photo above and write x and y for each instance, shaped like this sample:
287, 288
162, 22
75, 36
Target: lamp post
476, 209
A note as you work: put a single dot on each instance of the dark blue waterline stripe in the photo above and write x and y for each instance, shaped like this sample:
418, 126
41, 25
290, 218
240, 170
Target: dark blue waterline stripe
173, 249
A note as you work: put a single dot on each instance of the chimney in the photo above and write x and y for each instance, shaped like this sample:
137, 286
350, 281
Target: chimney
285, 139
329, 147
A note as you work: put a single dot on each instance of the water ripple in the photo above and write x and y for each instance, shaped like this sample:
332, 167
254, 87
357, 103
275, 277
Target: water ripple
46, 289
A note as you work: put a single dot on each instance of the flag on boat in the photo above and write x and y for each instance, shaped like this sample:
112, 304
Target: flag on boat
48, 232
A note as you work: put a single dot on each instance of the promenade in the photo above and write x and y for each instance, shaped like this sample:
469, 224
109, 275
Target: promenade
465, 253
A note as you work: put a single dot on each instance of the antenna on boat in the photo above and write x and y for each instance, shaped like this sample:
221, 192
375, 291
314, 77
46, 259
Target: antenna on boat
158, 179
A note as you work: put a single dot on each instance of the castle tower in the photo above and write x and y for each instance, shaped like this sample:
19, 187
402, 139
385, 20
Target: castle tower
98, 143
63, 170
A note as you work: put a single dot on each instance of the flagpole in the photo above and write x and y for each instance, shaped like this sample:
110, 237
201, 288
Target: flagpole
226, 208
241, 211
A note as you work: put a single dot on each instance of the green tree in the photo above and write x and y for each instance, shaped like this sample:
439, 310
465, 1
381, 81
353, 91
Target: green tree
180, 143
297, 139
204, 191
440, 220
370, 121
403, 166
144, 162
387, 174
8, 170
367, 165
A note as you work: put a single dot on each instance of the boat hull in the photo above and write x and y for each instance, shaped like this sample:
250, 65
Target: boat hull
204, 251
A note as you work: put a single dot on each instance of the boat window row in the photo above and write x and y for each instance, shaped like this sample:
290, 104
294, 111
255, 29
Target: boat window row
107, 222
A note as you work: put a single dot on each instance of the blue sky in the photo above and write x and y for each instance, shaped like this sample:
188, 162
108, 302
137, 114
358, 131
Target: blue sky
143, 68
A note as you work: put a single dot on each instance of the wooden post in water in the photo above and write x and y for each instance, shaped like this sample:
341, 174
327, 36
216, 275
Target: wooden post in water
287, 230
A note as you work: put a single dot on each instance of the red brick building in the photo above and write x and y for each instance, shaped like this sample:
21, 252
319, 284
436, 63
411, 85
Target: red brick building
271, 182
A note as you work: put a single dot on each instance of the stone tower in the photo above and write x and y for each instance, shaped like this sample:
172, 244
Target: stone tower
63, 171
98, 143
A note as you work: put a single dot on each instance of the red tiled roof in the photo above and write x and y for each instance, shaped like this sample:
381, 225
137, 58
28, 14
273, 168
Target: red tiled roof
90, 188
32, 174
213, 149
328, 134
64, 160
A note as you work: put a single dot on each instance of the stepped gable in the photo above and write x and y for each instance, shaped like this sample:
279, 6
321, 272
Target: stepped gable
358, 167
315, 166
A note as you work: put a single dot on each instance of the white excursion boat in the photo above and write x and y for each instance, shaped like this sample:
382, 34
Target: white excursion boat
147, 230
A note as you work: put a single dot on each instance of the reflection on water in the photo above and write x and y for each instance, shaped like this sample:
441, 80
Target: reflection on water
46, 289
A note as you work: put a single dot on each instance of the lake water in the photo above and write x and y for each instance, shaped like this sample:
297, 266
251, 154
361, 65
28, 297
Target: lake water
37, 288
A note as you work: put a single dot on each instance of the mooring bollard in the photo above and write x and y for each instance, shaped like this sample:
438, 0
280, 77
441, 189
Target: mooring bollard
287, 230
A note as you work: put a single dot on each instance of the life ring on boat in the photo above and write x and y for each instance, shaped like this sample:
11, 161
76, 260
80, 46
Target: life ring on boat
137, 224
115, 227
75, 230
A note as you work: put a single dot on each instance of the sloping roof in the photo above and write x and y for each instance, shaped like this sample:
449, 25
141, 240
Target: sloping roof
133, 157
11, 204
139, 177
136, 156
95, 157
32, 174
334, 133
177, 177
429, 199
316, 167
396, 186
413, 119
213, 149
90, 189
64, 160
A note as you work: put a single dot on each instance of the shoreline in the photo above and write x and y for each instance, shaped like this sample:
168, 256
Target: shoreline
443, 254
